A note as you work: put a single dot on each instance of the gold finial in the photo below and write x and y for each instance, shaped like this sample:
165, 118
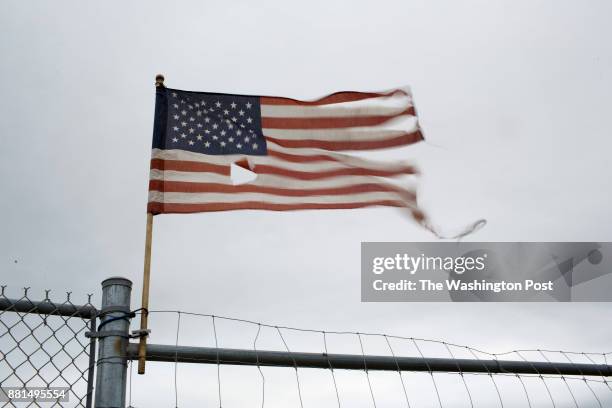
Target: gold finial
159, 80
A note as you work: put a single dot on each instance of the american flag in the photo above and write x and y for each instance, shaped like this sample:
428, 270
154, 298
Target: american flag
292, 146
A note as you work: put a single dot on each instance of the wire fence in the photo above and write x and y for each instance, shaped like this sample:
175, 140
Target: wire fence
331, 387
43, 344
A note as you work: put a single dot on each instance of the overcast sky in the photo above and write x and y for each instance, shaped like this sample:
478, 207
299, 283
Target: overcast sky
513, 98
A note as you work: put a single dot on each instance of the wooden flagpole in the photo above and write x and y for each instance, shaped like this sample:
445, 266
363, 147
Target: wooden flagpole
146, 279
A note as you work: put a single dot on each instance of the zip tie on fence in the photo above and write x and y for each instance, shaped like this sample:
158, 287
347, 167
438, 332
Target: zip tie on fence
127, 316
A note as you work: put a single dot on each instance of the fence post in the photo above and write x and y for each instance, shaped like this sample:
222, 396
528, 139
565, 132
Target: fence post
111, 371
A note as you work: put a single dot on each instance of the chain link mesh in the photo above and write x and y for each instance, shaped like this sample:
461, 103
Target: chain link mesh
43, 344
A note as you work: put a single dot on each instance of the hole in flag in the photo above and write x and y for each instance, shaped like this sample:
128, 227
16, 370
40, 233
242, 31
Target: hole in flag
241, 175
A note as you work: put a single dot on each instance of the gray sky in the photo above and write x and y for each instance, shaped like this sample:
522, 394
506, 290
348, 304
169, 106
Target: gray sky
513, 98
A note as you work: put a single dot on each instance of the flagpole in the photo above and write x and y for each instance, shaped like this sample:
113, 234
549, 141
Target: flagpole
146, 279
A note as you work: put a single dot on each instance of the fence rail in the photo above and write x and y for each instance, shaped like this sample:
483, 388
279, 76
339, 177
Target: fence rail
209, 355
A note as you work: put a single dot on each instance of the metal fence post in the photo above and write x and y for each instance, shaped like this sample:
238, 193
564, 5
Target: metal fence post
113, 333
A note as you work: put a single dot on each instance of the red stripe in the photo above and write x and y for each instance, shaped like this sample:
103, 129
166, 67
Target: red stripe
329, 123
337, 97
187, 187
161, 208
406, 139
182, 165
317, 175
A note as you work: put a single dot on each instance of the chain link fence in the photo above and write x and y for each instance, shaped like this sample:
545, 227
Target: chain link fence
44, 344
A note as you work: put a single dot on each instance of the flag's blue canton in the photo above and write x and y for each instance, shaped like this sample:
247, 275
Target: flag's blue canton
214, 123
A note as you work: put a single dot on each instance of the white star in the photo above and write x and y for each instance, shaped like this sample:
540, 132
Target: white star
226, 112
174, 94
191, 119
199, 137
254, 145
215, 126
239, 146
190, 106
174, 139
191, 143
183, 112
233, 105
191, 130
207, 131
207, 119
231, 140
215, 137
183, 135
175, 128
207, 144
175, 105
199, 125
184, 123
218, 104
234, 118
246, 139
222, 144
182, 101
242, 125
203, 103
248, 105
249, 120
238, 132
223, 133
241, 113
230, 126
199, 113
176, 117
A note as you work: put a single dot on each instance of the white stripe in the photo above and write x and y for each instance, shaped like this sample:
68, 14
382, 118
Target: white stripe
383, 106
184, 155
189, 177
391, 129
271, 180
204, 198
